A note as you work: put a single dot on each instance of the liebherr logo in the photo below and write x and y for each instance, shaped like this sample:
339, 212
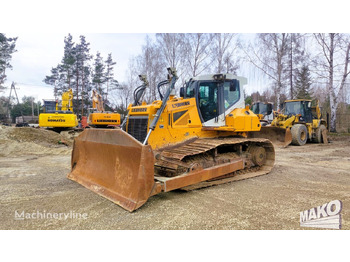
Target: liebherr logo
325, 216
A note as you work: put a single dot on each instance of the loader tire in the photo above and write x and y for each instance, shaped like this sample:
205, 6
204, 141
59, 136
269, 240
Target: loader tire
299, 135
318, 137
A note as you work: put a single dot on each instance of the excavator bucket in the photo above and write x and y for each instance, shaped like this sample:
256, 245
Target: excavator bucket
277, 135
114, 165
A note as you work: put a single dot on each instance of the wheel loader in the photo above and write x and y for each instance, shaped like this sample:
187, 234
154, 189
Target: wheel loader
304, 120
196, 140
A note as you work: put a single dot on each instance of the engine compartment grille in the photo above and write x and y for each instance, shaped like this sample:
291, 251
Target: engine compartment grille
137, 127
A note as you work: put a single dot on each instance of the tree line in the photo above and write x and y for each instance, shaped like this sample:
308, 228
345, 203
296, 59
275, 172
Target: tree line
291, 65
294, 65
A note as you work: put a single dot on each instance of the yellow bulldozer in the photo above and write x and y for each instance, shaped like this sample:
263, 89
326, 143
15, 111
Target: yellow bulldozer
304, 120
196, 140
59, 115
98, 117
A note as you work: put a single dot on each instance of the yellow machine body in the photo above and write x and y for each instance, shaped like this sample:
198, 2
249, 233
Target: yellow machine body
61, 120
104, 119
180, 121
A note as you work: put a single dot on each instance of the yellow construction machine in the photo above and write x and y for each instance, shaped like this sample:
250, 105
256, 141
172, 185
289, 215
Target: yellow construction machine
304, 120
98, 117
196, 140
59, 115
276, 134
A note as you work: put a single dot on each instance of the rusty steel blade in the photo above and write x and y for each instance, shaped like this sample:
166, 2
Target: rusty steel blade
114, 165
277, 135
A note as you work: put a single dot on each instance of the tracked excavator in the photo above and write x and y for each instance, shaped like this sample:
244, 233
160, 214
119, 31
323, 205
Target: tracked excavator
196, 140
98, 117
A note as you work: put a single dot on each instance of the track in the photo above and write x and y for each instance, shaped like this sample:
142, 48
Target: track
258, 156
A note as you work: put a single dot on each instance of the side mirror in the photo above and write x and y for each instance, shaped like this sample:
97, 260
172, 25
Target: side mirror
269, 109
182, 92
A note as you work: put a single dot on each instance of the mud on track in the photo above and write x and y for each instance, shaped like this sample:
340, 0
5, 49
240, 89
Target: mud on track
303, 178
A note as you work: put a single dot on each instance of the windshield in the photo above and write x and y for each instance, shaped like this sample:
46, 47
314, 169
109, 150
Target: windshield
231, 93
49, 106
259, 108
293, 108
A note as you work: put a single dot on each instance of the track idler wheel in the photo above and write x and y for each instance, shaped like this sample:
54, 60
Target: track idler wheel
258, 155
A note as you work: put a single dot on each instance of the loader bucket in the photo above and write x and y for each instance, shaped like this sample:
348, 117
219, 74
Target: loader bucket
114, 165
277, 135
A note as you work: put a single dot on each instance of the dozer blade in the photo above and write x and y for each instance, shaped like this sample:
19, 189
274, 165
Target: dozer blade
114, 165
277, 135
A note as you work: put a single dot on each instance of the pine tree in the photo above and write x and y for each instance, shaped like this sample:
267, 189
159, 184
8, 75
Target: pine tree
109, 74
7, 48
303, 83
67, 65
98, 78
82, 72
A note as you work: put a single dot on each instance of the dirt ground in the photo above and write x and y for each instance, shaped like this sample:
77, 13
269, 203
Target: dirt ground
33, 179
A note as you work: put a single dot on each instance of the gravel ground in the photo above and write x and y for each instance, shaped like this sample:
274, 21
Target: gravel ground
303, 178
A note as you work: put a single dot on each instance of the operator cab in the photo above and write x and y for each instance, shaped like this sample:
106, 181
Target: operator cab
216, 96
299, 107
49, 106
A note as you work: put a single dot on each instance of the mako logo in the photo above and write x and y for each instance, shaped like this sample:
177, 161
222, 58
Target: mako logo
325, 216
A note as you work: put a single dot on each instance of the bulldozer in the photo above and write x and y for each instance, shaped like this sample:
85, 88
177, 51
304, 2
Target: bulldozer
100, 118
59, 115
304, 120
196, 140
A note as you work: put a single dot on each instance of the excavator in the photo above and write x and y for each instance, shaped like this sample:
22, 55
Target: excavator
196, 140
98, 117
59, 115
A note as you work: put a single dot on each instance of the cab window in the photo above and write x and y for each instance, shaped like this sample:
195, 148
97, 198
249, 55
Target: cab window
190, 90
231, 93
208, 100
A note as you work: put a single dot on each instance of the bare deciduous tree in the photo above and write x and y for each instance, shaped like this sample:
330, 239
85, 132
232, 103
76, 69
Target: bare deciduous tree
333, 65
197, 53
270, 55
222, 51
